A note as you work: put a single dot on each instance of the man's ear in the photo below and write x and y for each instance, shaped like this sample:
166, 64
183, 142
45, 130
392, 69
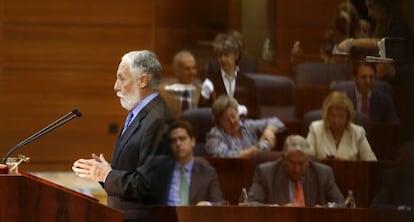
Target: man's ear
143, 80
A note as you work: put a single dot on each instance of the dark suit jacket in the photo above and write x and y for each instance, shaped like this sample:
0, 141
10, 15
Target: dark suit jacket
245, 92
245, 66
381, 106
132, 181
204, 185
271, 185
397, 189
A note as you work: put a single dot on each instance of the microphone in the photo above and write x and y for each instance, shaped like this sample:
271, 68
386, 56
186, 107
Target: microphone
62, 120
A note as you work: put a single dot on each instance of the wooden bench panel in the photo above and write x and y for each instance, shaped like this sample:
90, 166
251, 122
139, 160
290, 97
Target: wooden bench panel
364, 178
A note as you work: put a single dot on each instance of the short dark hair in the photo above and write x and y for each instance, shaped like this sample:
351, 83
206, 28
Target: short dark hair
359, 63
181, 124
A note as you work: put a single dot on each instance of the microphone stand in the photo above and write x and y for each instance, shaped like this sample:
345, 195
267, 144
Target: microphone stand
62, 120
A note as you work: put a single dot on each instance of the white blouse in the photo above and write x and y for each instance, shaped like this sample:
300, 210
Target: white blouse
352, 146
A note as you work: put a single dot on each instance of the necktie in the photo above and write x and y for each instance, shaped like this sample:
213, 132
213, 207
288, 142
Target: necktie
185, 103
128, 121
365, 105
299, 197
183, 187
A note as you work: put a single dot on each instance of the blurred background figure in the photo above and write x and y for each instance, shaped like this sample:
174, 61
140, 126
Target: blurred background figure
231, 137
397, 190
389, 22
294, 179
243, 62
183, 92
374, 102
336, 136
229, 79
347, 24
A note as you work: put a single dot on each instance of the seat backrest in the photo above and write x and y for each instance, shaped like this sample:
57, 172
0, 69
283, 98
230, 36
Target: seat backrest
346, 85
275, 95
321, 74
202, 121
359, 119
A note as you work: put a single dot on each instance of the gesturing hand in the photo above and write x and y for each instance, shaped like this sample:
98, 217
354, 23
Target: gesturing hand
96, 168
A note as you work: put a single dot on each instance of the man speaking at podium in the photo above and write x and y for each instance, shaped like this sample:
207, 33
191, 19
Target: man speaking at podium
129, 180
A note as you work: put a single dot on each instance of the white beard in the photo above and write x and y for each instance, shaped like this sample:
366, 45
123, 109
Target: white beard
130, 101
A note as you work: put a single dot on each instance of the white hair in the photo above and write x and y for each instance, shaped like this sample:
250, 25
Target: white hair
296, 143
144, 61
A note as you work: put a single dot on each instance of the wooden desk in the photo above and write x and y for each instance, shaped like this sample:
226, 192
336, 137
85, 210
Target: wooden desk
271, 214
363, 178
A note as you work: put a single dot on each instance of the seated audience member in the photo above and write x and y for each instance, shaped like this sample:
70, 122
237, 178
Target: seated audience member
229, 79
397, 191
231, 137
389, 22
192, 181
294, 179
376, 104
183, 92
335, 136
245, 65
347, 24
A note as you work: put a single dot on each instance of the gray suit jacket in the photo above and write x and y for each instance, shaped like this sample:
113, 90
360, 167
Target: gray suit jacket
133, 181
271, 185
204, 184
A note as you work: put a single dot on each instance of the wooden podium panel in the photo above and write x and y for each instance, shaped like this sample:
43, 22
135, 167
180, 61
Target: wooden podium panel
29, 198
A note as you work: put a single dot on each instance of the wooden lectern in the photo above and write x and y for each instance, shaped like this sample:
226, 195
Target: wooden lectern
26, 197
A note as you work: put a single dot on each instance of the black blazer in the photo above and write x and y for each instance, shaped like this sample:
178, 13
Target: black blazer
245, 66
132, 183
245, 93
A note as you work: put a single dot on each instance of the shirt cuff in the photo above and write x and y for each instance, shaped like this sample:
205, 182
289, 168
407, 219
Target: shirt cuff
103, 181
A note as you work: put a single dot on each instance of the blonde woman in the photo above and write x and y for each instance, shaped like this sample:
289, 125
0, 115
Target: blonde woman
335, 136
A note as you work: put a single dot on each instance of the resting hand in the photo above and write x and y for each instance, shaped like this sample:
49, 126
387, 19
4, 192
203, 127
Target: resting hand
204, 203
207, 88
269, 134
96, 168
242, 109
344, 46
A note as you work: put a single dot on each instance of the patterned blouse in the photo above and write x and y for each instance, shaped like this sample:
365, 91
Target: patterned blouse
221, 144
